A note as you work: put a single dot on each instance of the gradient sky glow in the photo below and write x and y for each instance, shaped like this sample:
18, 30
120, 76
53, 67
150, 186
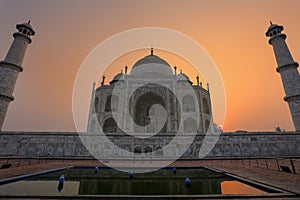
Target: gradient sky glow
231, 31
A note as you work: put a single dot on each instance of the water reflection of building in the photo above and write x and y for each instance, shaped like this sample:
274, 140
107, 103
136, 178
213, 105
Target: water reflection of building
150, 186
161, 182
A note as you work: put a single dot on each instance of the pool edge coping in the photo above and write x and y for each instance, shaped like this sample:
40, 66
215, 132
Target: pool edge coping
21, 177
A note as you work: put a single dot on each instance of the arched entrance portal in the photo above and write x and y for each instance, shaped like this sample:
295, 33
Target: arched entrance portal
143, 112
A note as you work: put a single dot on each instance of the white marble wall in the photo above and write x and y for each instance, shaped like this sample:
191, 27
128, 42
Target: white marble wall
69, 145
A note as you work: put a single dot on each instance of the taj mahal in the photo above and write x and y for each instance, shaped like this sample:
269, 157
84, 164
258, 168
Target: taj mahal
151, 70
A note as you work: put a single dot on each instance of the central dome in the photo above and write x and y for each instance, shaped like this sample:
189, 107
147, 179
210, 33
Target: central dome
151, 59
151, 64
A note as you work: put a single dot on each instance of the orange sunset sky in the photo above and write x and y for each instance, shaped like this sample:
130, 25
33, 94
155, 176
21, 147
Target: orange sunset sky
232, 32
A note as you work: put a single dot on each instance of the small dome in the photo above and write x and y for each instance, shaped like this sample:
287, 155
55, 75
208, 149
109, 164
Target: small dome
182, 76
26, 25
272, 27
117, 77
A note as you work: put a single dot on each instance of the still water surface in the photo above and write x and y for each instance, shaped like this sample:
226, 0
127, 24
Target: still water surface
80, 181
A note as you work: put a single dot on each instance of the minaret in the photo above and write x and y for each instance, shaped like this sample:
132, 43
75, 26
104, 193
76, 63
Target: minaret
287, 68
11, 66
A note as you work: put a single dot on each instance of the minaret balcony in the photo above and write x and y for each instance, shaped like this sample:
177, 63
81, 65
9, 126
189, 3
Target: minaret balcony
11, 65
277, 36
26, 37
287, 66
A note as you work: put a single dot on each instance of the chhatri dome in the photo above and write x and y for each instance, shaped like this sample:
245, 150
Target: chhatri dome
183, 77
273, 30
151, 64
26, 28
117, 77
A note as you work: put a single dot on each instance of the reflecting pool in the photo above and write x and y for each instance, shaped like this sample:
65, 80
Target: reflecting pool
106, 181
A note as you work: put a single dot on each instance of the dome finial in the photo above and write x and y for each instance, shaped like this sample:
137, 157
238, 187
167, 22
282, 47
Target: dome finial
126, 68
271, 23
151, 51
197, 78
103, 79
28, 22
